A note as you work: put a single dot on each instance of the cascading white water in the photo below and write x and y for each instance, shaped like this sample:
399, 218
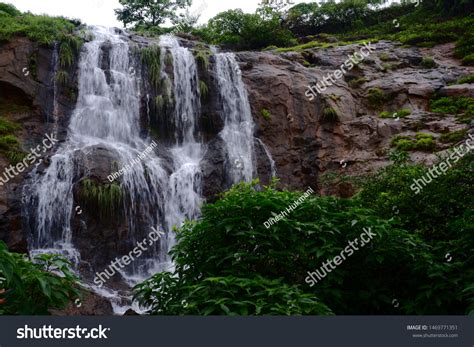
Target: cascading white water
238, 123
184, 194
107, 115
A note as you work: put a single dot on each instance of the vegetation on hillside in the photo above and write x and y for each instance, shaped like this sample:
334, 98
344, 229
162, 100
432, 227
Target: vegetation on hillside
229, 251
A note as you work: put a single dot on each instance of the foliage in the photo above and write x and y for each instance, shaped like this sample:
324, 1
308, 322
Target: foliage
442, 214
106, 198
230, 241
428, 62
226, 296
150, 58
149, 13
32, 288
376, 96
203, 89
401, 113
265, 113
42, 29
330, 115
240, 30
8, 10
466, 79
453, 105
422, 142
357, 82
202, 58
454, 136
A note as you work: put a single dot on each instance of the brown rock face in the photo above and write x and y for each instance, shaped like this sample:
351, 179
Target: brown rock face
29, 96
305, 142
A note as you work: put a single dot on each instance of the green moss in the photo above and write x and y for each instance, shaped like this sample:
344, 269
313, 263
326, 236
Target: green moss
107, 198
270, 48
330, 115
453, 137
403, 143
428, 63
425, 144
150, 57
265, 113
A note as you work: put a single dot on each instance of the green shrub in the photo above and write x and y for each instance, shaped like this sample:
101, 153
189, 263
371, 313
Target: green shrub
428, 62
445, 227
468, 60
403, 143
317, 230
7, 9
265, 113
376, 96
357, 82
226, 296
454, 136
31, 287
43, 29
330, 115
7, 126
466, 79
402, 114
453, 105
202, 58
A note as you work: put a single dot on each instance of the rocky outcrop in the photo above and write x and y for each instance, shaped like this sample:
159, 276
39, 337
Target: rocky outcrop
31, 97
305, 145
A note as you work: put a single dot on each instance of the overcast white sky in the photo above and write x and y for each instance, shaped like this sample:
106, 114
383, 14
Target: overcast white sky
101, 12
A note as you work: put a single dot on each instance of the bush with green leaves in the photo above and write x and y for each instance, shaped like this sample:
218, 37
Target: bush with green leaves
226, 296
442, 214
240, 30
34, 287
231, 242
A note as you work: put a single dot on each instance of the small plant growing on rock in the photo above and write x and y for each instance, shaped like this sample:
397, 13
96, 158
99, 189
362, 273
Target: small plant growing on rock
265, 113
203, 89
357, 82
453, 137
330, 115
376, 96
466, 79
428, 63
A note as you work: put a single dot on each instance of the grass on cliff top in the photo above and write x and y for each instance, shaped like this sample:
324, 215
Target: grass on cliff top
42, 29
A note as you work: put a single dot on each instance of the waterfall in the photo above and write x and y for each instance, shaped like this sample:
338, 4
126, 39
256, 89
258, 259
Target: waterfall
238, 123
107, 116
184, 198
160, 191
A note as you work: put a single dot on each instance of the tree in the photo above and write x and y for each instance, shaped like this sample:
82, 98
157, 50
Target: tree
147, 13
